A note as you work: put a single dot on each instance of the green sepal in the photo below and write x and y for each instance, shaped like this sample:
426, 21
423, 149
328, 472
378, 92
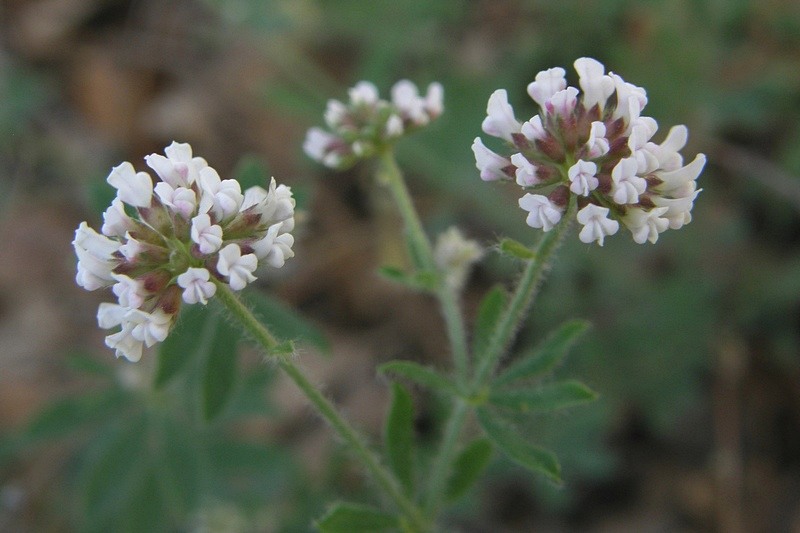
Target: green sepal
549, 397
546, 355
399, 436
468, 466
354, 518
516, 249
422, 280
420, 374
517, 448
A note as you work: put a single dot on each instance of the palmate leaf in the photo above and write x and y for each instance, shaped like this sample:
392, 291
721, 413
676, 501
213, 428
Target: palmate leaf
468, 466
517, 448
549, 397
423, 375
353, 518
546, 355
399, 435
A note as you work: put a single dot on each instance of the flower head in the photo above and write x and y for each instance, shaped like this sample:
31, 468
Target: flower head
366, 122
591, 147
186, 233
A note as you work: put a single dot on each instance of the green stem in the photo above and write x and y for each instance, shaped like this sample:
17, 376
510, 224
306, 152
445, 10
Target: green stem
444, 459
385, 480
523, 298
422, 253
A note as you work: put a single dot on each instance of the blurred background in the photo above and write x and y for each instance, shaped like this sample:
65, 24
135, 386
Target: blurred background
695, 342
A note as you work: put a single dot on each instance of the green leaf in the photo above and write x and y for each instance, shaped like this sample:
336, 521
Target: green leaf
469, 464
516, 249
420, 374
517, 448
219, 375
353, 518
68, 415
194, 330
545, 356
489, 313
545, 398
422, 280
283, 321
399, 435
116, 466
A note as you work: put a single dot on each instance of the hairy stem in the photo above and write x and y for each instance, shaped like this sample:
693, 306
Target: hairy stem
422, 255
382, 477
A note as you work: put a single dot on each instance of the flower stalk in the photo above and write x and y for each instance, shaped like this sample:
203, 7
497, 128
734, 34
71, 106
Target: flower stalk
380, 475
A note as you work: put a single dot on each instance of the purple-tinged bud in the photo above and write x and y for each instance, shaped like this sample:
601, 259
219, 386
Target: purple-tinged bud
156, 280
560, 196
169, 300
550, 147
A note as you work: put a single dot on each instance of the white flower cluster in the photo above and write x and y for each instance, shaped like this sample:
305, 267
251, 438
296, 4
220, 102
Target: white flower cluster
596, 146
163, 242
454, 254
366, 123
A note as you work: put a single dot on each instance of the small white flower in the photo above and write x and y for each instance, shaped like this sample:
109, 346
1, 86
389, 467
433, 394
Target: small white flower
95, 258
363, 93
646, 225
582, 177
130, 292
116, 221
596, 225
405, 97
256, 196
631, 100
335, 112
526, 171
597, 144
596, 86
131, 249
500, 121
284, 203
207, 236
543, 213
454, 255
149, 328
434, 99
133, 188
237, 267
626, 185
533, 129
667, 152
196, 285
394, 126
489, 163
220, 197
547, 83
681, 181
182, 200
563, 102
275, 247
111, 315
679, 210
124, 344
178, 168
317, 144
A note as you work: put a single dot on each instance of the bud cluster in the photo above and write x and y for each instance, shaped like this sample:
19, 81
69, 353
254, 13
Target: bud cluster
162, 243
366, 123
596, 146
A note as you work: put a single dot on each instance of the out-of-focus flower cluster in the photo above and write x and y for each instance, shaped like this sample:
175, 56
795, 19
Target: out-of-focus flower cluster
366, 123
454, 254
595, 145
162, 243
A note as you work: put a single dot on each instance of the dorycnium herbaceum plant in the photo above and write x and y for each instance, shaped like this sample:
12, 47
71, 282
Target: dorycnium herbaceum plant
191, 237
